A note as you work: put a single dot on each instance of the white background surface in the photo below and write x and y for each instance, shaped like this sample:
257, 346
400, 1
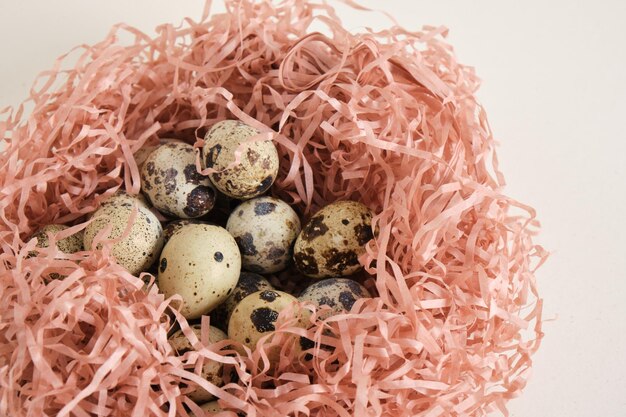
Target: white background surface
555, 89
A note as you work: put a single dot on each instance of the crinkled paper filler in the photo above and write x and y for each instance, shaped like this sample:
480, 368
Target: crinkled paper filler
387, 118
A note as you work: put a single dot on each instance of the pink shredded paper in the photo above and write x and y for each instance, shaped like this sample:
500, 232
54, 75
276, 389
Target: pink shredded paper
386, 118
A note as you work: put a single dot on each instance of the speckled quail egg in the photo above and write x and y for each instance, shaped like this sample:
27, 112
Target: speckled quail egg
258, 165
255, 316
201, 263
211, 370
247, 284
70, 244
170, 181
338, 293
139, 249
332, 241
176, 225
265, 229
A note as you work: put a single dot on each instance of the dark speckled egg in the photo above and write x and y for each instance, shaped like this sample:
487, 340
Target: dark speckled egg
339, 294
265, 229
255, 316
248, 283
169, 179
330, 244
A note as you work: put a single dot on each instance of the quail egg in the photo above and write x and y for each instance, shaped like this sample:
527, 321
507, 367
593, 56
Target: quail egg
170, 181
211, 370
139, 249
255, 316
70, 244
330, 244
247, 284
265, 229
258, 164
338, 293
201, 263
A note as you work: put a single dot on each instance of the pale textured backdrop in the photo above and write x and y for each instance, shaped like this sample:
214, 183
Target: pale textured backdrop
555, 91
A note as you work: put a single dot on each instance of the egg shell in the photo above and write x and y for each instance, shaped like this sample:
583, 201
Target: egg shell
174, 226
265, 229
141, 247
70, 244
256, 169
330, 244
170, 181
338, 293
248, 283
201, 263
211, 370
255, 317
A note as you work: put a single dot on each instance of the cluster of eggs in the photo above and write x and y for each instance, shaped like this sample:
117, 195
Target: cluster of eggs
221, 268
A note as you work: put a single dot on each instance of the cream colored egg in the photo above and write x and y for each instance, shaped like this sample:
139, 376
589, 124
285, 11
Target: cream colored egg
265, 229
248, 283
170, 181
141, 247
256, 315
211, 370
339, 294
70, 244
258, 165
332, 241
201, 263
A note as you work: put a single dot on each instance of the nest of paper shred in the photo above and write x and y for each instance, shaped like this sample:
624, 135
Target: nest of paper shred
387, 118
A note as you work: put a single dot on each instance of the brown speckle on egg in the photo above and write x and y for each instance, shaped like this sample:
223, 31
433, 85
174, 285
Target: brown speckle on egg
263, 319
246, 244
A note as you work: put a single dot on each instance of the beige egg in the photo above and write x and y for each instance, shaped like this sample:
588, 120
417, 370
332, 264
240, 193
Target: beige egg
255, 317
248, 283
265, 229
201, 263
141, 247
339, 294
211, 370
70, 244
332, 241
257, 168
170, 181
